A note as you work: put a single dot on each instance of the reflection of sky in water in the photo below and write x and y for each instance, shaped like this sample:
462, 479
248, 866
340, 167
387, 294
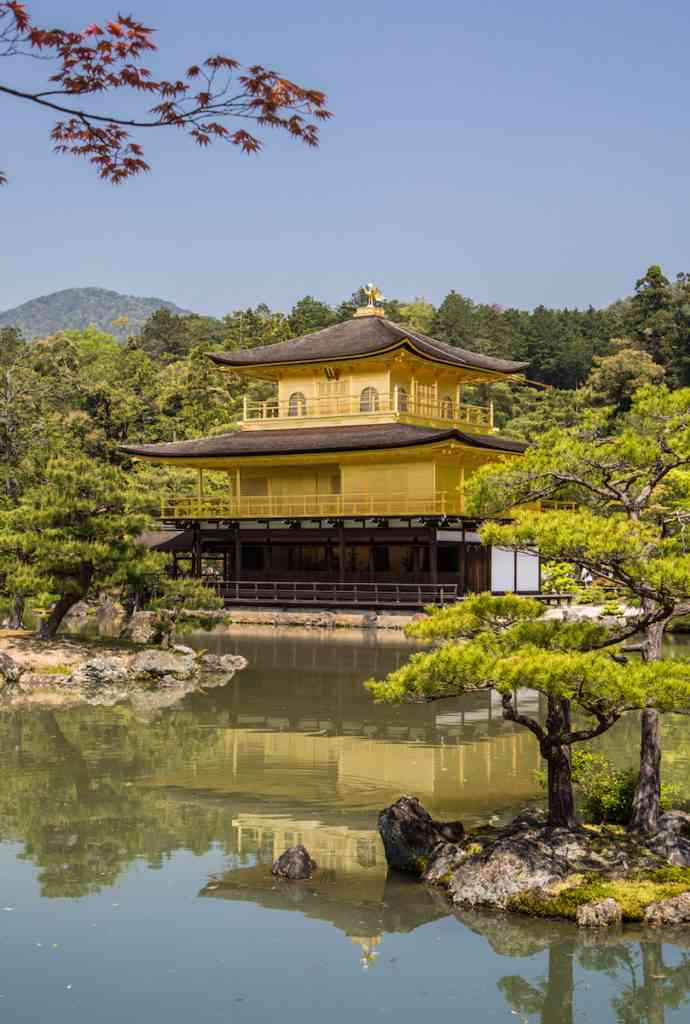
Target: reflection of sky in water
135, 859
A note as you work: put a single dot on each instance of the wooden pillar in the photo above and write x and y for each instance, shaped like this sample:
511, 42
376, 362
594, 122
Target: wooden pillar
238, 554
433, 555
341, 551
196, 553
226, 568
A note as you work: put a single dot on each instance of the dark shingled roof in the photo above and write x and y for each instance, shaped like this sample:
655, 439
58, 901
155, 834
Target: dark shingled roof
360, 337
320, 439
168, 540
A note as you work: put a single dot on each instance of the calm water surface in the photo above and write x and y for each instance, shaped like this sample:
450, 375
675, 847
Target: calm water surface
135, 857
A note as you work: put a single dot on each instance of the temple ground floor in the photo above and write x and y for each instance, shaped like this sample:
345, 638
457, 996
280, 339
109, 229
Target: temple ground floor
378, 563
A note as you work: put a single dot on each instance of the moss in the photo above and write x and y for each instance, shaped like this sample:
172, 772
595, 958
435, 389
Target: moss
53, 670
633, 894
473, 848
422, 864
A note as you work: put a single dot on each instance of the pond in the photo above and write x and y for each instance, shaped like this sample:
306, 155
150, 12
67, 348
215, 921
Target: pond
135, 857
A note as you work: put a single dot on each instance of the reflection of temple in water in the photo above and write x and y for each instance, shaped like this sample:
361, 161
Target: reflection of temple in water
302, 731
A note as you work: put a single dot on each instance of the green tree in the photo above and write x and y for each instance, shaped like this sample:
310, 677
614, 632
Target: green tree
418, 314
614, 379
309, 315
632, 481
75, 531
504, 643
453, 321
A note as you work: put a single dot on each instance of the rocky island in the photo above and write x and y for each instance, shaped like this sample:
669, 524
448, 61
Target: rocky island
67, 673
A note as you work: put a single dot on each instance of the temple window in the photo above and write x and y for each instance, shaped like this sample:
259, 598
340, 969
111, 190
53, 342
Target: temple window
369, 400
297, 404
447, 407
403, 401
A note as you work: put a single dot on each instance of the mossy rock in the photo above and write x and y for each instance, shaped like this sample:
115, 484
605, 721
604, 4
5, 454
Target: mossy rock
633, 894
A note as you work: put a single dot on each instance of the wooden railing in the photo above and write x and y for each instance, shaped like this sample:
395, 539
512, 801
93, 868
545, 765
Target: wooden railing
317, 506
446, 410
369, 595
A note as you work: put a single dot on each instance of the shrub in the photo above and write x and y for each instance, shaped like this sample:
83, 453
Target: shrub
559, 577
606, 792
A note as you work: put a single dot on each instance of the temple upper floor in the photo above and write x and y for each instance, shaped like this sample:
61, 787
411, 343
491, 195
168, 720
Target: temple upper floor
367, 370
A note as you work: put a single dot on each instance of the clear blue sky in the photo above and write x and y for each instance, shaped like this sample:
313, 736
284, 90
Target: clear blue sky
519, 153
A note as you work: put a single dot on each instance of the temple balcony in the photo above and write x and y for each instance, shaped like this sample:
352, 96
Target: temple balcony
312, 506
369, 405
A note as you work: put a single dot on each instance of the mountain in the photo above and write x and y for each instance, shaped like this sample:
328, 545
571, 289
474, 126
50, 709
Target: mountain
77, 308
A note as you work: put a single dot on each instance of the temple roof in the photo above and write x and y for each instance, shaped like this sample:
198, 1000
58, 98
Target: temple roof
303, 440
361, 336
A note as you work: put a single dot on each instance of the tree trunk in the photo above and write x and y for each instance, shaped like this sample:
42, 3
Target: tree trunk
645, 811
559, 996
647, 798
560, 788
16, 618
654, 972
50, 626
559, 785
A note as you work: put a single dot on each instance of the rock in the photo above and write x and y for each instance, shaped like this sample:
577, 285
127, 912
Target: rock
602, 914
100, 672
530, 817
675, 910
110, 618
144, 628
443, 862
411, 836
76, 618
156, 663
675, 821
182, 649
294, 863
222, 662
511, 865
671, 844
9, 670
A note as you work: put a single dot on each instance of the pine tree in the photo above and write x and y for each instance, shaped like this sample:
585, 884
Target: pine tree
506, 643
631, 478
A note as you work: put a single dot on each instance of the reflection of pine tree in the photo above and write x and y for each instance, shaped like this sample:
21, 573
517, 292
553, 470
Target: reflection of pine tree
551, 998
74, 807
646, 999
652, 987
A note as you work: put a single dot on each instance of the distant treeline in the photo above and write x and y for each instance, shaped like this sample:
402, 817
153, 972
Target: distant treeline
158, 384
561, 345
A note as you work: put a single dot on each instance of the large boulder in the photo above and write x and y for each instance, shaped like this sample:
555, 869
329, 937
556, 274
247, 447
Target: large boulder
156, 664
110, 618
9, 670
218, 669
101, 671
506, 868
295, 863
673, 911
671, 842
411, 837
147, 628
601, 914
76, 619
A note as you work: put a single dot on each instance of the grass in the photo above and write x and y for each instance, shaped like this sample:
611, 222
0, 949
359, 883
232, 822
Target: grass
53, 670
633, 894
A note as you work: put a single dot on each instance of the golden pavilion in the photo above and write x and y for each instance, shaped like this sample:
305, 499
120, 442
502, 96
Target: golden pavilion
347, 486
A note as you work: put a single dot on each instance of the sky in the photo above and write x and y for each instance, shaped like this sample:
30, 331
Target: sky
518, 153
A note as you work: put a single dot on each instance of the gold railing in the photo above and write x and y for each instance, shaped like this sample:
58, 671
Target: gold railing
313, 506
365, 405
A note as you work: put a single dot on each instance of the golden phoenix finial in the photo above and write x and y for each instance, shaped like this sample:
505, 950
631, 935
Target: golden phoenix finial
373, 295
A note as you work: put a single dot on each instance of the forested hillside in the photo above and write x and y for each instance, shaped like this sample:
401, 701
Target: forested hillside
78, 308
